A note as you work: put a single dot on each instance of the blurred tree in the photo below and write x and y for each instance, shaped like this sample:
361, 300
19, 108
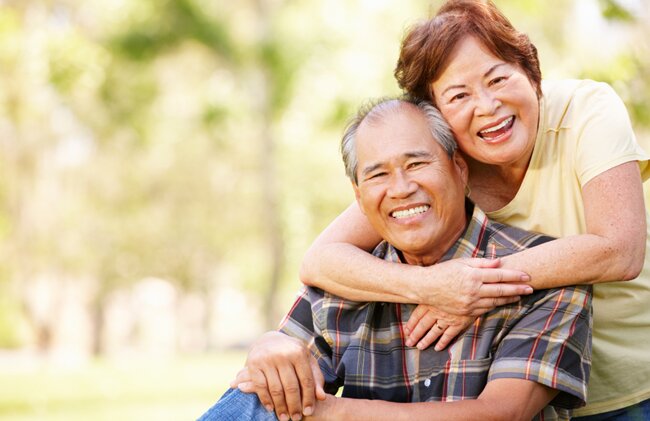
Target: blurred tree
181, 138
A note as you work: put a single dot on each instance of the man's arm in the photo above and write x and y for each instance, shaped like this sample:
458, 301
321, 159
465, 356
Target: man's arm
284, 375
282, 368
502, 399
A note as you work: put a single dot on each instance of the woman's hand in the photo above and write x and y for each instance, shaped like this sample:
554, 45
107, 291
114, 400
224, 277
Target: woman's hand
284, 375
472, 286
428, 324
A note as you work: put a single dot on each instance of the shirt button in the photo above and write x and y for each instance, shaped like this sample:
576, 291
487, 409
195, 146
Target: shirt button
427, 383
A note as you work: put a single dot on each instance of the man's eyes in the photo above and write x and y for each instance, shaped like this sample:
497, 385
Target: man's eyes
376, 175
416, 164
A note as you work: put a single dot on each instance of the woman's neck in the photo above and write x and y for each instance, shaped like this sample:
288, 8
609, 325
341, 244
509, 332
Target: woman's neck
494, 186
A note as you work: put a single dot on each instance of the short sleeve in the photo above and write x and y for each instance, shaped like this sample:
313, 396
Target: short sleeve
599, 120
550, 344
300, 323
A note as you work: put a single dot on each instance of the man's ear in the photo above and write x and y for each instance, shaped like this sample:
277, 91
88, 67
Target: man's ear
357, 196
461, 167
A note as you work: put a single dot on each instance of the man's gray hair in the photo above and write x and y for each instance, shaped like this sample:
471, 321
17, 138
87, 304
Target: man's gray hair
376, 110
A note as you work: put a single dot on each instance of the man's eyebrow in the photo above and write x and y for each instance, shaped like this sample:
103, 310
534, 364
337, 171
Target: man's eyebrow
414, 154
418, 154
370, 168
490, 70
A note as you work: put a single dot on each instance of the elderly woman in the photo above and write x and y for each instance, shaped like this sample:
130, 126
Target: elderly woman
555, 157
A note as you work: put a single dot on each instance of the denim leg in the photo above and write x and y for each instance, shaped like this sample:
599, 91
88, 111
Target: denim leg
636, 412
236, 405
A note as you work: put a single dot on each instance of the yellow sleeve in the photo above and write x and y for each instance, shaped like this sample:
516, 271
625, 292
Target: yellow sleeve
604, 133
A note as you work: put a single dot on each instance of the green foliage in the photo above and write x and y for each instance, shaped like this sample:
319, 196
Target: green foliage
614, 10
155, 26
174, 138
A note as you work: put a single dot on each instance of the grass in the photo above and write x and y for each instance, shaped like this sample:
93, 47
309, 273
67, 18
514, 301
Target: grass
178, 389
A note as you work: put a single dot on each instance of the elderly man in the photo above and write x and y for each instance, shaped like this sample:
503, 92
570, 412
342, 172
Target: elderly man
521, 360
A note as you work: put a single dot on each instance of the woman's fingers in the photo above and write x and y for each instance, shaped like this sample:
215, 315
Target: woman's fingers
434, 333
504, 290
419, 324
451, 333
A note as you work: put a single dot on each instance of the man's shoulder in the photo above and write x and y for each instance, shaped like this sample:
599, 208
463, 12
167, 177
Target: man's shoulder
573, 299
503, 239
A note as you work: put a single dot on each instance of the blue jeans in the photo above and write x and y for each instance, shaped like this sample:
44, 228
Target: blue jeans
637, 412
236, 405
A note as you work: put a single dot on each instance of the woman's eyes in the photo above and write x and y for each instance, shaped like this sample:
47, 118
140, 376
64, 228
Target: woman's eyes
458, 97
462, 95
497, 80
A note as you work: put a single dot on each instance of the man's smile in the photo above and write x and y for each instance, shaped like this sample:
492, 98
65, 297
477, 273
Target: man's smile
406, 213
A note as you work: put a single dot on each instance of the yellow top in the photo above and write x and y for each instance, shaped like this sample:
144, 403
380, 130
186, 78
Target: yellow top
584, 131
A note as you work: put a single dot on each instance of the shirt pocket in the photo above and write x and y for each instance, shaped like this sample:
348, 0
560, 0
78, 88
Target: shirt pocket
456, 380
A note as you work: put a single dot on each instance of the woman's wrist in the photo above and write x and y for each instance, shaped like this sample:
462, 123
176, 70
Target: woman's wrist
418, 284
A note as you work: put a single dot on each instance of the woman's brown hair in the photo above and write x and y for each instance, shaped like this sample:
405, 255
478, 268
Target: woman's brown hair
427, 46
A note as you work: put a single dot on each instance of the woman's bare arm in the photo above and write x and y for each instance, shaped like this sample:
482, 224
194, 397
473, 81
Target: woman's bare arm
613, 248
339, 262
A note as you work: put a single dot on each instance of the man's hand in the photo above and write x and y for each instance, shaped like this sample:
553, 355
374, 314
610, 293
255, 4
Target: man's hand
327, 409
473, 286
284, 375
428, 324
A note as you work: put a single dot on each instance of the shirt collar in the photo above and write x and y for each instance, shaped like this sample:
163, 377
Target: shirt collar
470, 244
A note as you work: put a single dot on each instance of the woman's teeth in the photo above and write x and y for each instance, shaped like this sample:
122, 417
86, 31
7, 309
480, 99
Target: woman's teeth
499, 126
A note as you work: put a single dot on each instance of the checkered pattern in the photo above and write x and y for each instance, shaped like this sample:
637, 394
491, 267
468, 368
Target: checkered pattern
545, 337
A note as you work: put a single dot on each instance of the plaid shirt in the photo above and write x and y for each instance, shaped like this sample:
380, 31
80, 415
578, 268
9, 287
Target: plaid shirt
545, 337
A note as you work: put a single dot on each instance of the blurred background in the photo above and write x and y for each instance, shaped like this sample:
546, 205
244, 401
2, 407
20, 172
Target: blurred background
164, 164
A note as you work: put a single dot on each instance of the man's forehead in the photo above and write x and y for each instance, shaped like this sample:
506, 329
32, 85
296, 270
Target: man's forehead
400, 132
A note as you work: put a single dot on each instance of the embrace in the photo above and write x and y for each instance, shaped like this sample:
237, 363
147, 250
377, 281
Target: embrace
454, 184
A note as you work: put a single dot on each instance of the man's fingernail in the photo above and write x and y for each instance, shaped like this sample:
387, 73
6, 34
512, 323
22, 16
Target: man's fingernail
269, 408
420, 346
308, 411
409, 342
297, 416
284, 417
525, 278
529, 290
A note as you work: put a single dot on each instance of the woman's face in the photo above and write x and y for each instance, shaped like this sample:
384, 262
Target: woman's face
490, 105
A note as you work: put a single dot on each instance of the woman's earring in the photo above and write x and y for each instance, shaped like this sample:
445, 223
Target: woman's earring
468, 191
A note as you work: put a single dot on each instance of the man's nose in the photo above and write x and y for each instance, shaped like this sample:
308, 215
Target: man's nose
401, 185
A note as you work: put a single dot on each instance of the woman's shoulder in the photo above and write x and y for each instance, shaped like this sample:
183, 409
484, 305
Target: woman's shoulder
567, 99
566, 89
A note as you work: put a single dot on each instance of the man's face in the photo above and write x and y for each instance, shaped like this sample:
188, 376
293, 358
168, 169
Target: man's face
410, 190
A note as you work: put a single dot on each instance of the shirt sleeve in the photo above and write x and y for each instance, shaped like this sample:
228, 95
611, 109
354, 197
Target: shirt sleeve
302, 322
550, 344
599, 120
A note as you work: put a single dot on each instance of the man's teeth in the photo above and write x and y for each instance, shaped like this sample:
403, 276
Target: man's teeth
410, 212
500, 126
